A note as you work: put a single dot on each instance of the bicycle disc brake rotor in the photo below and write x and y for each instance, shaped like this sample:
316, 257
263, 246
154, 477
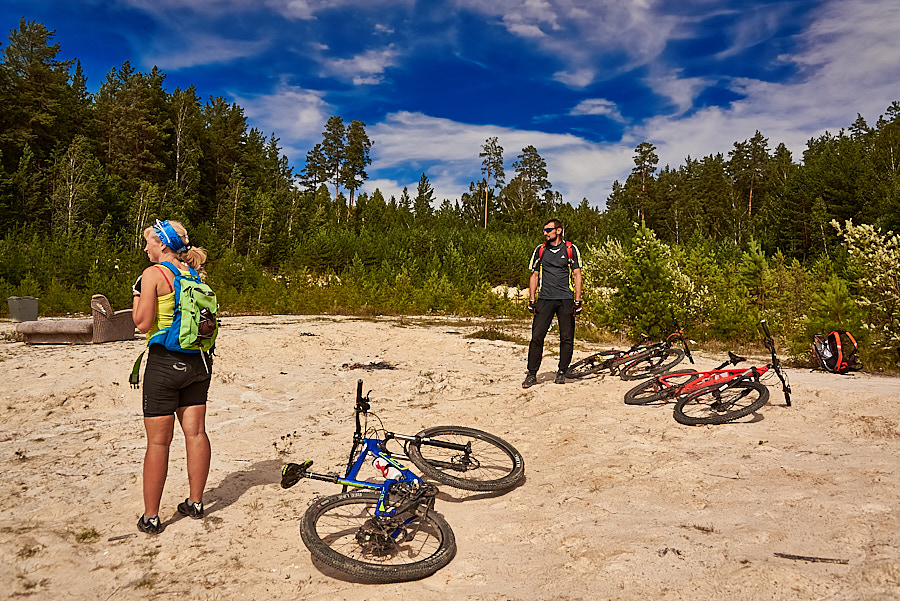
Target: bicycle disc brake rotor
378, 537
464, 462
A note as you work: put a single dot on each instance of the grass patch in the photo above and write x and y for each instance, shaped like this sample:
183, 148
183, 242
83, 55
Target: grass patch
700, 527
87, 536
283, 447
146, 582
492, 332
26, 552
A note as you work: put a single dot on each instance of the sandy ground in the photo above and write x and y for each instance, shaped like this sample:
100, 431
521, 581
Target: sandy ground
619, 502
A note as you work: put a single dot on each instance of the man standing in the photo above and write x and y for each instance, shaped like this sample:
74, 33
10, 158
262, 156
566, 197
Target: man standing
556, 284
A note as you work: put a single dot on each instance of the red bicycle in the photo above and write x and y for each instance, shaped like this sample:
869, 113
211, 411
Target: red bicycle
718, 395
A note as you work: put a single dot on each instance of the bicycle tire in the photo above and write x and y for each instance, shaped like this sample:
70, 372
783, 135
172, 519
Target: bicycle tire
493, 464
711, 406
332, 528
651, 391
590, 364
657, 361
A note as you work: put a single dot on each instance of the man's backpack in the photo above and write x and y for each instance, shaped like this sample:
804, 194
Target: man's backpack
569, 251
194, 327
836, 352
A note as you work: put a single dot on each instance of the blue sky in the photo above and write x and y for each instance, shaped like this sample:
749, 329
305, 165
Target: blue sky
584, 81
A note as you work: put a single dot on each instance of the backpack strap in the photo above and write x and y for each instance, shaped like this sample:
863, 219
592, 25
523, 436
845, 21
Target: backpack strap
135, 378
171, 287
161, 333
852, 339
840, 365
569, 251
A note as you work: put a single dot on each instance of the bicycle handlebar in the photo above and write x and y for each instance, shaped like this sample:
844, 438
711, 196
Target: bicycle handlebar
362, 406
776, 363
362, 402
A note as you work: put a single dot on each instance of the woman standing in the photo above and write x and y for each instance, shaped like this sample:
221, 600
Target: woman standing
176, 384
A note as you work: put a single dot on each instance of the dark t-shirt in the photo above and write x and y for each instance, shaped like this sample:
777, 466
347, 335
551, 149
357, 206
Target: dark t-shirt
553, 266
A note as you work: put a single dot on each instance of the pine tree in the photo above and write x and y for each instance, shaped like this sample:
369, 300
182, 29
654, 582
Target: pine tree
491, 166
357, 158
422, 205
333, 148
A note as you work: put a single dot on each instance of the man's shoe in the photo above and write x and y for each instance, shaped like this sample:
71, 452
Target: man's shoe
530, 380
151, 526
192, 510
560, 377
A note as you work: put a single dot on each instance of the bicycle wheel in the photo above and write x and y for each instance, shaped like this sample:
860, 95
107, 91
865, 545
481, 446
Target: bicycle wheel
655, 362
711, 406
653, 390
590, 364
490, 464
343, 532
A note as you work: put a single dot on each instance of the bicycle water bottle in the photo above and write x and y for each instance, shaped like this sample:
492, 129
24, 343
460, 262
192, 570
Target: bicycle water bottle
388, 471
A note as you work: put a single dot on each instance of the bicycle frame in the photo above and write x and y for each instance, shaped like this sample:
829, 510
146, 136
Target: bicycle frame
712, 377
722, 377
368, 449
642, 349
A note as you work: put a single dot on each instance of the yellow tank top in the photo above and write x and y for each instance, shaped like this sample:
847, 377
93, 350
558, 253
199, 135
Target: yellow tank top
165, 309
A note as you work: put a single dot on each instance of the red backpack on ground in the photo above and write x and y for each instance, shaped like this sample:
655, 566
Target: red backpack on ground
837, 352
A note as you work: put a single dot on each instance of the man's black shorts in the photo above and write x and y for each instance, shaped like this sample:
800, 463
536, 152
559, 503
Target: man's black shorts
173, 380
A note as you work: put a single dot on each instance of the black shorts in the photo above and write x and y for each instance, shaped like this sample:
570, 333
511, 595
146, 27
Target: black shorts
173, 380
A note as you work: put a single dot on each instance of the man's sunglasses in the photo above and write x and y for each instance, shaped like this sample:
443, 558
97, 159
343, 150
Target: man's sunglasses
547, 230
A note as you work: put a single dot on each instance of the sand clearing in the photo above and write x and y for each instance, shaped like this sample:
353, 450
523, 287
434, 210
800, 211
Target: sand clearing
619, 502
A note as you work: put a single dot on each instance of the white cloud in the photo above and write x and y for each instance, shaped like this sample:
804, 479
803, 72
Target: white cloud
597, 106
681, 91
579, 78
525, 30
388, 188
583, 34
365, 68
296, 116
754, 27
201, 49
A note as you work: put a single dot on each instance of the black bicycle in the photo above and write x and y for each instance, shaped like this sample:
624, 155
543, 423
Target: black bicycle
388, 530
640, 361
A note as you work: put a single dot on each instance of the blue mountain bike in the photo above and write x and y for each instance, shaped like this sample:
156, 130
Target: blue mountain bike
388, 530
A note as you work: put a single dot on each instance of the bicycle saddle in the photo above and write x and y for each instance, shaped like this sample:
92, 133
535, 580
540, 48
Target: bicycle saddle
735, 359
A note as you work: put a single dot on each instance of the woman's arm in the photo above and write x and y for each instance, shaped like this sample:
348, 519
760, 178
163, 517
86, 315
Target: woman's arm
153, 284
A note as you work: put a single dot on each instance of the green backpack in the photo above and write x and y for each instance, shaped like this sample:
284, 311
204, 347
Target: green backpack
194, 325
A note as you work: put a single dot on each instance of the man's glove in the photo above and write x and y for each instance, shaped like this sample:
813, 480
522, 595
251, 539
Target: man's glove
136, 288
577, 308
531, 307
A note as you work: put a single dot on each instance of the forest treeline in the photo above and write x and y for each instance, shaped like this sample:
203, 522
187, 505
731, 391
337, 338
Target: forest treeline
720, 241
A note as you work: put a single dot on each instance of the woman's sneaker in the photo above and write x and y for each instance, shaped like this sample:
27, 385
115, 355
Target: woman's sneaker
192, 510
151, 526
